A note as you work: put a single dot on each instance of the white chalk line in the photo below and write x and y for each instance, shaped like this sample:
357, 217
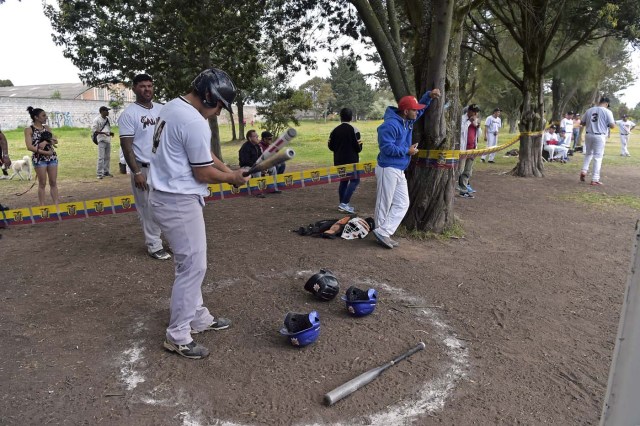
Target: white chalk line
430, 398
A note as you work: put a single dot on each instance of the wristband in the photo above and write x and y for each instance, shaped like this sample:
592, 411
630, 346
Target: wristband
138, 173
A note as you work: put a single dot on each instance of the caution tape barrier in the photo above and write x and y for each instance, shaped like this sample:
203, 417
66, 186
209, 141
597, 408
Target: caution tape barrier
223, 191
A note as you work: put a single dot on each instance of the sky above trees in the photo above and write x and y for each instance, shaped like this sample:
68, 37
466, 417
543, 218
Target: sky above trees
37, 36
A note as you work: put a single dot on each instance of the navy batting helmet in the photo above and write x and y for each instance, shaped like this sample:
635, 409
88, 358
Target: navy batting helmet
359, 302
323, 285
301, 329
213, 85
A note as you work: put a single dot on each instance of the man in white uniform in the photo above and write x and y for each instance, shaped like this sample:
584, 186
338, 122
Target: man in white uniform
137, 123
625, 127
102, 128
492, 126
567, 124
597, 121
182, 166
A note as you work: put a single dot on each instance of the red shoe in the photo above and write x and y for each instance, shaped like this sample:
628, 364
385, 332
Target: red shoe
582, 176
594, 183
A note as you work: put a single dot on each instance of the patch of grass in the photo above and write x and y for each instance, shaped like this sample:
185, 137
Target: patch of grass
455, 231
603, 200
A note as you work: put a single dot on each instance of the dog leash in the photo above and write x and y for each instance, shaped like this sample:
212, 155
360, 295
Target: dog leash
22, 193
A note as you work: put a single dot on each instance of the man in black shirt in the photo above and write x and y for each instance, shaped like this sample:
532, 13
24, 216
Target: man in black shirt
345, 143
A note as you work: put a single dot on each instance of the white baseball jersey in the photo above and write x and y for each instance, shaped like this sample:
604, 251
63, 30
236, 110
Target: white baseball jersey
138, 122
597, 120
181, 141
492, 124
567, 124
548, 136
625, 126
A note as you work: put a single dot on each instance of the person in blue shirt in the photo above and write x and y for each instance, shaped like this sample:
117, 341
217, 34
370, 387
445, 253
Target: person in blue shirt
396, 148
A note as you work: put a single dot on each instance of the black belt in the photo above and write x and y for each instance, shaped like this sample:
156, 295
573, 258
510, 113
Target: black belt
599, 134
143, 164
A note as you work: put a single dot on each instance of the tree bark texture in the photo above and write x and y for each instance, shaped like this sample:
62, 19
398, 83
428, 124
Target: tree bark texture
431, 190
215, 137
240, 107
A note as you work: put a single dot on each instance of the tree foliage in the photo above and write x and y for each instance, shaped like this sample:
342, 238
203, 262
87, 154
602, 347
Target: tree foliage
6, 83
322, 95
282, 110
350, 87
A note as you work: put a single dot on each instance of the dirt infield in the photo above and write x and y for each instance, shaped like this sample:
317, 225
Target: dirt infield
519, 317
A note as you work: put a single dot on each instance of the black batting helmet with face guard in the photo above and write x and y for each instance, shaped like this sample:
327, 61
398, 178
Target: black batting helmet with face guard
323, 285
213, 85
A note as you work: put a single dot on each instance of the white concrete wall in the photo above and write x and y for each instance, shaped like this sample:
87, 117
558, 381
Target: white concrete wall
68, 112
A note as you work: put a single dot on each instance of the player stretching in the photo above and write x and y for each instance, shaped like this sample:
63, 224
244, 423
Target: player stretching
181, 167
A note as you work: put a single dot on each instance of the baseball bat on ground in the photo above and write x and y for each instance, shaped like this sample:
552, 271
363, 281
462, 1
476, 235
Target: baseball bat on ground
274, 160
276, 146
354, 384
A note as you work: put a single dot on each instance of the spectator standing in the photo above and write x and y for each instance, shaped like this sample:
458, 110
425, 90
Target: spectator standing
39, 140
576, 130
598, 120
137, 123
492, 126
470, 131
625, 127
346, 145
567, 124
396, 149
102, 128
5, 161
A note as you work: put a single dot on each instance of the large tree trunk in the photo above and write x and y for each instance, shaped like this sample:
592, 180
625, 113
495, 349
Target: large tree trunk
531, 125
215, 137
241, 120
431, 190
234, 135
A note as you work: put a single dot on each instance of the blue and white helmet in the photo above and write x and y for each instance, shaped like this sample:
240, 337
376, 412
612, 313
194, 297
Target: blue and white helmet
359, 302
301, 329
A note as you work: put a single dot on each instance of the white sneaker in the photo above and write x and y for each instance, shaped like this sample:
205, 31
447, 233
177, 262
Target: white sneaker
345, 208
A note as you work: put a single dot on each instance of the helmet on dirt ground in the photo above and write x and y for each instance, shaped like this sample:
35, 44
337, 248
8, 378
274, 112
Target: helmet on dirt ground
213, 86
357, 228
359, 302
301, 329
323, 285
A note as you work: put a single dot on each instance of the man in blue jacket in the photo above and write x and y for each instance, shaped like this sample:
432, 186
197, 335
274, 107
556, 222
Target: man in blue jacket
396, 149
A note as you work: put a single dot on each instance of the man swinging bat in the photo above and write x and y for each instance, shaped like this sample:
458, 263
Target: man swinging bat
181, 167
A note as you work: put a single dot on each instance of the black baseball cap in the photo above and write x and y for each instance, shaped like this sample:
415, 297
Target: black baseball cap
474, 108
553, 126
266, 134
496, 109
104, 108
604, 99
570, 113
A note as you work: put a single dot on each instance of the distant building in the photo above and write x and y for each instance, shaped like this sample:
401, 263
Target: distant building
67, 104
77, 91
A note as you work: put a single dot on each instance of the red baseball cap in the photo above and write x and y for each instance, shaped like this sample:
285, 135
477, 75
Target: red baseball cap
409, 102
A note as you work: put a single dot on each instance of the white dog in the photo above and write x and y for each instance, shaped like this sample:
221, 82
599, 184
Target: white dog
23, 165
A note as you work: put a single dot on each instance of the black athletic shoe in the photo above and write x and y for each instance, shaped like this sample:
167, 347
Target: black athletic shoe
160, 255
216, 325
191, 350
2, 208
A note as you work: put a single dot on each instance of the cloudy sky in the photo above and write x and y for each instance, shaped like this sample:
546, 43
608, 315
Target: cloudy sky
29, 56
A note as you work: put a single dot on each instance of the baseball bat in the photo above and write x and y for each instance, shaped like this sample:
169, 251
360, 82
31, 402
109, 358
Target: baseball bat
276, 146
274, 160
354, 384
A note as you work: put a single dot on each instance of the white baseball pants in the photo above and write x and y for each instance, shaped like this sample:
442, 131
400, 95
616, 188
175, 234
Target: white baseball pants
180, 217
492, 140
593, 150
624, 140
392, 199
149, 226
